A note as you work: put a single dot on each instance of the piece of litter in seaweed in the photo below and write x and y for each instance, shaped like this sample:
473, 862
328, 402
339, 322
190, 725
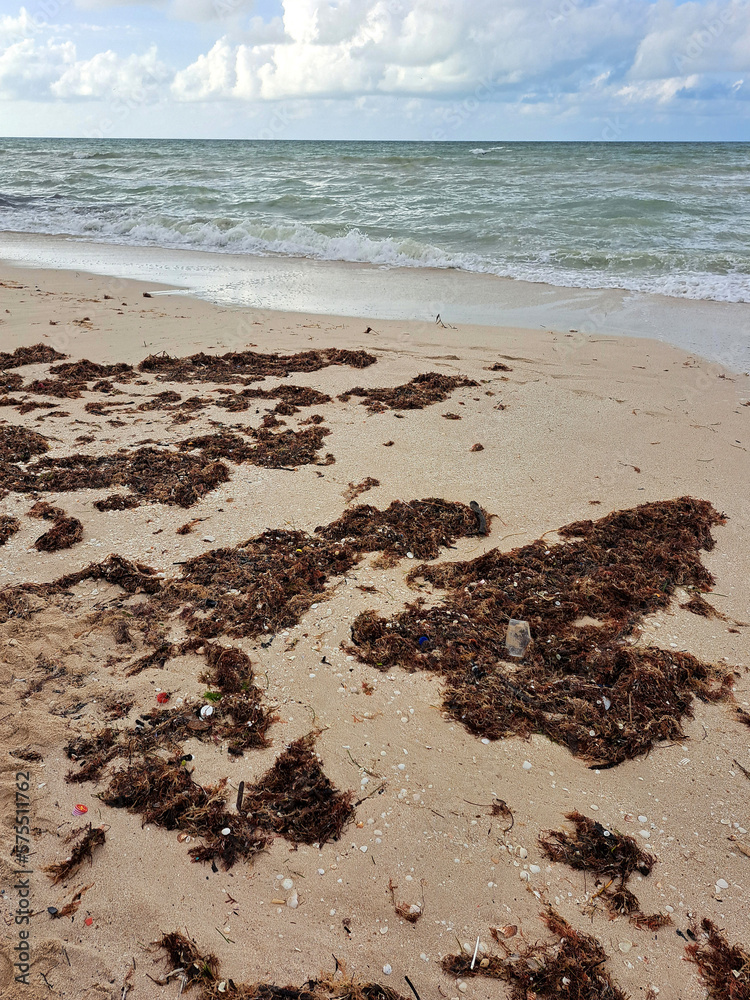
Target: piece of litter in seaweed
517, 637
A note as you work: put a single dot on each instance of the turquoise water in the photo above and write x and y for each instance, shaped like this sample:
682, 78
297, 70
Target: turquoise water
655, 217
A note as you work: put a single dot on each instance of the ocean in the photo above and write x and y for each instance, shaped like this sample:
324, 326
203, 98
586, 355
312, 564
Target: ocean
646, 217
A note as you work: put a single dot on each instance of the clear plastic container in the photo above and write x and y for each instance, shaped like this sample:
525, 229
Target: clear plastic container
518, 637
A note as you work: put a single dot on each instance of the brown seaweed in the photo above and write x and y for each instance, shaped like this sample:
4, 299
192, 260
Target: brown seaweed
268, 582
276, 576
572, 967
322, 988
724, 968
357, 489
283, 450
239, 715
419, 527
697, 605
585, 686
161, 401
71, 907
63, 534
8, 527
19, 444
133, 577
156, 474
118, 501
237, 365
45, 511
88, 839
296, 799
10, 382
85, 370
610, 856
291, 397
424, 390
184, 957
163, 793
37, 354
194, 967
152, 473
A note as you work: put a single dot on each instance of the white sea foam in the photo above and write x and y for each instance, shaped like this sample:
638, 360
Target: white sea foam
356, 247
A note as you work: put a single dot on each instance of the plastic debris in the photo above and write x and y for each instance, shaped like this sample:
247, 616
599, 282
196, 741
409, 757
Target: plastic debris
517, 637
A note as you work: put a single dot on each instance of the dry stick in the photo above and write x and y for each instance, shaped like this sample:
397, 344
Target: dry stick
411, 987
375, 791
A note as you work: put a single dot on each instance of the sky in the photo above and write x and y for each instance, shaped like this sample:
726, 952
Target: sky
611, 70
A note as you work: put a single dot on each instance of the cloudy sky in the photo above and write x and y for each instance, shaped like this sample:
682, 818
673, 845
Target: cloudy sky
371, 69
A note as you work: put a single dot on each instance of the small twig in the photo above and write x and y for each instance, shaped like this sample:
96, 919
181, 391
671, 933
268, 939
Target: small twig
375, 791
411, 987
744, 770
362, 767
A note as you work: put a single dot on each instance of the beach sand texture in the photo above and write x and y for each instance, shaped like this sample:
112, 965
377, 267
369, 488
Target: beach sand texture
571, 427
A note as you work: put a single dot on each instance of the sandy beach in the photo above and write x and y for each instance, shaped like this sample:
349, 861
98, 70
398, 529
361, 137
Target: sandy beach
572, 427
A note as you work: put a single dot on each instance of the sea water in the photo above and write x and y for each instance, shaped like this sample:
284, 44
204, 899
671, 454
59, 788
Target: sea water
671, 218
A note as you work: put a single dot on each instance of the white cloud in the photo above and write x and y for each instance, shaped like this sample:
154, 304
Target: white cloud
14, 28
109, 75
28, 68
434, 60
184, 10
416, 47
694, 37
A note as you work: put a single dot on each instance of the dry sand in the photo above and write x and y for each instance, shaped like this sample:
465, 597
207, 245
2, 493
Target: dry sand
613, 421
